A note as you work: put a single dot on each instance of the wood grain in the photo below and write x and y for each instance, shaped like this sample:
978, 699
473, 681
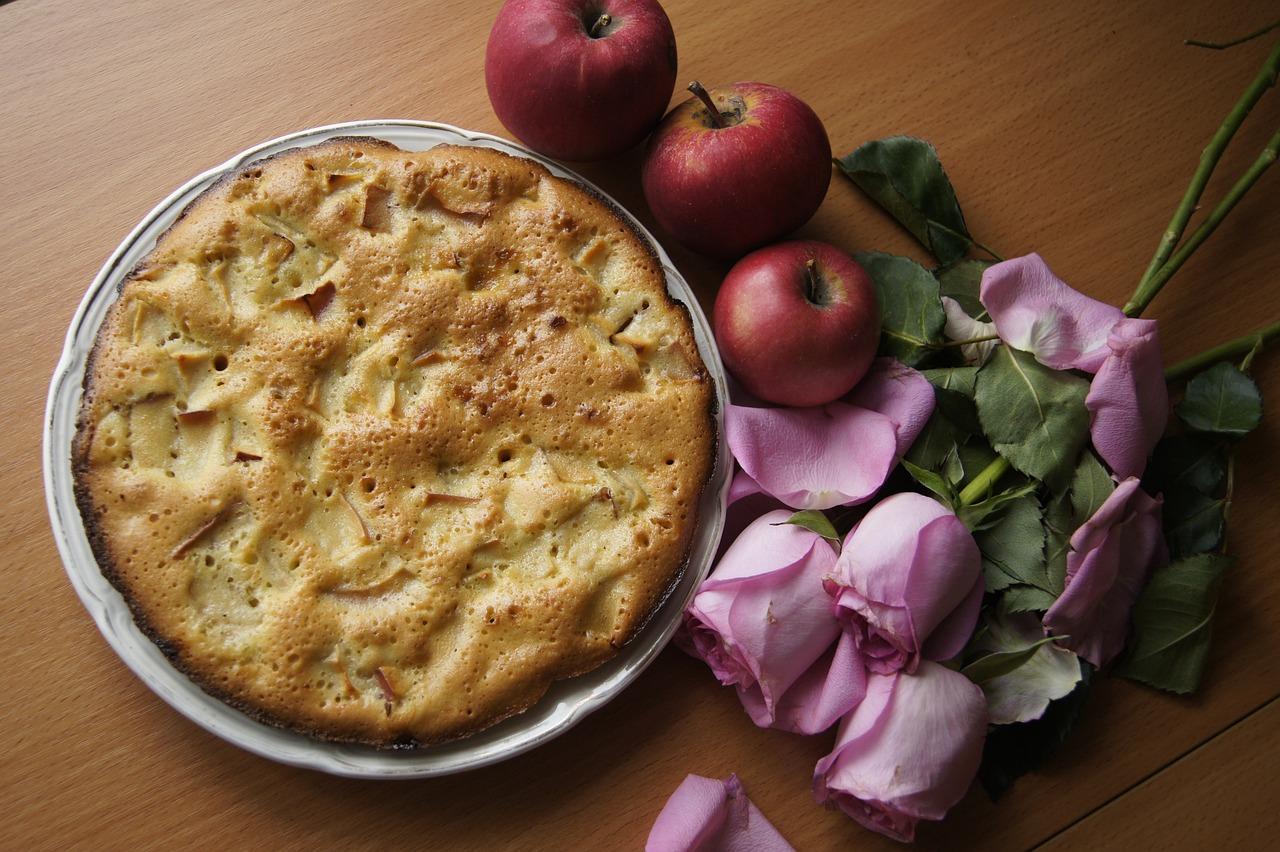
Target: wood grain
1068, 129
1221, 796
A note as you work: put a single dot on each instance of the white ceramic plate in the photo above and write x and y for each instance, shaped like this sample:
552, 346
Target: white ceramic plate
566, 704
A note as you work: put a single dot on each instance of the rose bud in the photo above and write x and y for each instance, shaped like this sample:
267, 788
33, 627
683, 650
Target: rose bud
705, 814
908, 583
763, 624
908, 752
1111, 556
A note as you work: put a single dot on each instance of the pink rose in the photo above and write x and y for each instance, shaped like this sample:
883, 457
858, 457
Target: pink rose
713, 816
835, 455
1128, 400
908, 583
1035, 311
1111, 556
763, 624
908, 752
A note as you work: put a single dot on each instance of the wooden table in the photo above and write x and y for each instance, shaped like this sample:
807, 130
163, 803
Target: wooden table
1068, 130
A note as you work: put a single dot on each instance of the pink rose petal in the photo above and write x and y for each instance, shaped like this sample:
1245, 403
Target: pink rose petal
743, 511
908, 752
961, 326
705, 815
742, 486
817, 700
898, 392
813, 458
1111, 556
1128, 400
1037, 312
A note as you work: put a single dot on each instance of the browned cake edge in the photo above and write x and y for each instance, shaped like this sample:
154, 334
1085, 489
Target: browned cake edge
106, 564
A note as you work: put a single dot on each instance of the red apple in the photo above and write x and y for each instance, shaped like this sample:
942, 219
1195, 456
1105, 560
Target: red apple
580, 79
737, 167
797, 323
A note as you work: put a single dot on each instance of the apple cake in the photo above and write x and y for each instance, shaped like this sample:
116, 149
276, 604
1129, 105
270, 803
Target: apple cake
379, 444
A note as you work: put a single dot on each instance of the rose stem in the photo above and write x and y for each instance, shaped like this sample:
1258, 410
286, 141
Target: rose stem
601, 22
1148, 291
1208, 160
1160, 271
1223, 45
703, 95
984, 481
1230, 349
951, 344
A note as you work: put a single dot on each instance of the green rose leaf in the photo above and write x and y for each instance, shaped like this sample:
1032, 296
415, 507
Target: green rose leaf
1019, 668
1000, 663
953, 468
904, 176
981, 515
815, 521
1059, 524
1190, 471
1032, 415
1173, 624
935, 442
1090, 487
1193, 523
1027, 599
1221, 401
911, 315
1011, 751
953, 389
1188, 462
953, 420
961, 380
933, 481
1013, 547
962, 281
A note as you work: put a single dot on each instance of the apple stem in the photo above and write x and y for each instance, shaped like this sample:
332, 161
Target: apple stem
811, 281
703, 95
601, 22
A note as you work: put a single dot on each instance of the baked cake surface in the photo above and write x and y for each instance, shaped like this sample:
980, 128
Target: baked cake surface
379, 444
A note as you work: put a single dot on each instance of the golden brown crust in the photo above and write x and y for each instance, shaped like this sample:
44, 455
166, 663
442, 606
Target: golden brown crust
378, 445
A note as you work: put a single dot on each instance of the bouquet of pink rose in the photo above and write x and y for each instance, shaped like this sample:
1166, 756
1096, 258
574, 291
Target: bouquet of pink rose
937, 563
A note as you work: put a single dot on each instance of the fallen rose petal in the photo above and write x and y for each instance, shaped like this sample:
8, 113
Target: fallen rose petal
907, 752
1024, 694
813, 458
1035, 311
763, 624
898, 392
961, 326
706, 815
1128, 400
1111, 556
908, 583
